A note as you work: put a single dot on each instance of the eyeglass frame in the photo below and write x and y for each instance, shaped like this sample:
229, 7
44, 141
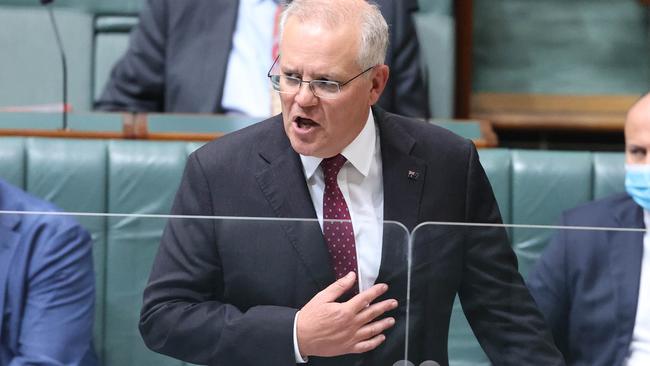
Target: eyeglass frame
309, 82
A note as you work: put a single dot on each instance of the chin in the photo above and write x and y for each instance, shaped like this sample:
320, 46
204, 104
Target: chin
302, 148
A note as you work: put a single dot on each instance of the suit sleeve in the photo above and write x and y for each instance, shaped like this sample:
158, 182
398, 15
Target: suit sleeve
57, 321
495, 300
406, 93
185, 314
137, 81
548, 284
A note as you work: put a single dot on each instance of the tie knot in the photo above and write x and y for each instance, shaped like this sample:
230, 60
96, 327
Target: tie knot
332, 166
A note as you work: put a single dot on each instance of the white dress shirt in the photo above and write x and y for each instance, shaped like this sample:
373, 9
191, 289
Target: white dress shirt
361, 183
246, 89
639, 354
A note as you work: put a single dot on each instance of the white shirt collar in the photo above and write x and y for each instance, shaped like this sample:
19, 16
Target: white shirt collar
359, 152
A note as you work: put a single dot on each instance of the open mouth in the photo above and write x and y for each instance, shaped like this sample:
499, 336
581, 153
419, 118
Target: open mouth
305, 123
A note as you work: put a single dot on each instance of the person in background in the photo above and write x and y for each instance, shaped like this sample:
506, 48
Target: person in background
212, 56
47, 285
593, 286
332, 290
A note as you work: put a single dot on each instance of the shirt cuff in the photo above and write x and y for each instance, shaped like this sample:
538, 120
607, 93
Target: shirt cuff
296, 350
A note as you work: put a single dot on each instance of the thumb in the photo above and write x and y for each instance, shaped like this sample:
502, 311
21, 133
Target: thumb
337, 289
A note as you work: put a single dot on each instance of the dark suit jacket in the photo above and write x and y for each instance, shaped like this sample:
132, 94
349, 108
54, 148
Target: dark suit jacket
178, 55
587, 282
47, 286
226, 292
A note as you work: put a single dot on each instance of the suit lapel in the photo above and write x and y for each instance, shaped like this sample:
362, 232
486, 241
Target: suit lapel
404, 176
626, 253
281, 180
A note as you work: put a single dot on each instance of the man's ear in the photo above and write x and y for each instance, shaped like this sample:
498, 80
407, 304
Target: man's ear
379, 80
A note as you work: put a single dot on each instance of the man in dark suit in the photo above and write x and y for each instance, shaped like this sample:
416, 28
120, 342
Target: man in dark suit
251, 292
593, 285
47, 285
181, 52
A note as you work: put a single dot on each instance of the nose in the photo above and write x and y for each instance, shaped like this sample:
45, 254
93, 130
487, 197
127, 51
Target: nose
305, 96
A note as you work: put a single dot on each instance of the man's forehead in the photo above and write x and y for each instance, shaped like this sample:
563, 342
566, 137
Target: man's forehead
637, 130
302, 29
300, 55
323, 69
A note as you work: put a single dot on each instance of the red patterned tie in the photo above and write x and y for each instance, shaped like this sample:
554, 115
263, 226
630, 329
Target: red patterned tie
338, 234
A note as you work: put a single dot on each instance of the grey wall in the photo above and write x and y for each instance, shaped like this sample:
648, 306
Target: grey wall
30, 66
520, 46
561, 46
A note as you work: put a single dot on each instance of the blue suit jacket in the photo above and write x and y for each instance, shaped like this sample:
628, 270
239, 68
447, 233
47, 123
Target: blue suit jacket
587, 282
47, 285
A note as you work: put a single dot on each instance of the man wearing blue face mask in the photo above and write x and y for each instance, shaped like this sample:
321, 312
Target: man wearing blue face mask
592, 286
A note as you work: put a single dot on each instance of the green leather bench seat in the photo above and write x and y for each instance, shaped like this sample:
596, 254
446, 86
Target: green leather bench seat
107, 176
469, 129
125, 176
533, 187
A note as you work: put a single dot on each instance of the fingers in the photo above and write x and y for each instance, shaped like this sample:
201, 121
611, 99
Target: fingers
374, 329
327, 328
373, 311
369, 344
337, 289
363, 299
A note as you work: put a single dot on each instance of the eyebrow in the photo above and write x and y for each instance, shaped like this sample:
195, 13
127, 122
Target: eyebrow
318, 76
635, 147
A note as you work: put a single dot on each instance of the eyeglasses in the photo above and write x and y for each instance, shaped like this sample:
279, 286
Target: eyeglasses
321, 88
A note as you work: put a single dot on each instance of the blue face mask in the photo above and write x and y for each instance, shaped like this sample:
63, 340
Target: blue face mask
637, 183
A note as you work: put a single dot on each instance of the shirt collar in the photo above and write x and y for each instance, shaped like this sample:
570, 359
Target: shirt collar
359, 152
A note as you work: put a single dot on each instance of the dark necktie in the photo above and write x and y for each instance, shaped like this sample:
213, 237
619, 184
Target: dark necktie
339, 235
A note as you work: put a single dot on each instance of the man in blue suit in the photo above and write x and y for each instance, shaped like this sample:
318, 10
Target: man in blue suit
594, 286
47, 285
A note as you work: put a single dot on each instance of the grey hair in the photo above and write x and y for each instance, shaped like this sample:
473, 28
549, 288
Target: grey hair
373, 41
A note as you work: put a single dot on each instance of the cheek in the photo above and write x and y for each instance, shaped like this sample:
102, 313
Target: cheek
635, 158
285, 99
286, 123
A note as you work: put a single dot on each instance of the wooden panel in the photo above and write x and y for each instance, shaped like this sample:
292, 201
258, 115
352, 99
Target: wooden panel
61, 133
136, 126
600, 113
488, 136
